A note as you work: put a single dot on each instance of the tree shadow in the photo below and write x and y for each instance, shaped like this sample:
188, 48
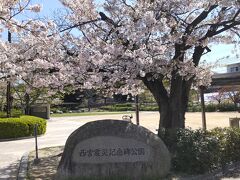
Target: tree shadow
46, 168
9, 172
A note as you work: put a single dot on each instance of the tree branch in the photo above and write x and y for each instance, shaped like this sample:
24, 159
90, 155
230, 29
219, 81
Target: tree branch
226, 26
151, 85
78, 25
199, 19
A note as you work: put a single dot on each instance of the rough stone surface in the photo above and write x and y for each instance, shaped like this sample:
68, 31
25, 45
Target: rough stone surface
110, 148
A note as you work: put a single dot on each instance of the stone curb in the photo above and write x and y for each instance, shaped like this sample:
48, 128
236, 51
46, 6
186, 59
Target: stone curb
23, 166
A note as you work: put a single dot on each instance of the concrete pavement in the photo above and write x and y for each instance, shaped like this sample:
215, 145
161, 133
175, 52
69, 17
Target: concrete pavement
58, 130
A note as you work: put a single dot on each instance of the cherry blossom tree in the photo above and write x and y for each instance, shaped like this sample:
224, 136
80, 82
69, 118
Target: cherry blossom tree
37, 61
219, 96
121, 43
35, 57
9, 9
124, 42
233, 94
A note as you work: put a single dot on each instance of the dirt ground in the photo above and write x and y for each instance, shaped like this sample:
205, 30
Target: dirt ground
193, 120
150, 120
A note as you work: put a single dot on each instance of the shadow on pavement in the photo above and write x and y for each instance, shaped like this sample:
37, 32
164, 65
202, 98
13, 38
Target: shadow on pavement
46, 168
9, 172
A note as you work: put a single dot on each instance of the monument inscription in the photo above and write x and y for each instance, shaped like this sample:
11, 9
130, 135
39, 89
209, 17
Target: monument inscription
113, 148
110, 149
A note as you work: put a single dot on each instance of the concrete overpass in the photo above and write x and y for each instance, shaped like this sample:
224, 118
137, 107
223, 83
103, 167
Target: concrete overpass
219, 81
224, 80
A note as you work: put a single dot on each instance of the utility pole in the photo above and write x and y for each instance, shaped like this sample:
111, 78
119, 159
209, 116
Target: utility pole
9, 98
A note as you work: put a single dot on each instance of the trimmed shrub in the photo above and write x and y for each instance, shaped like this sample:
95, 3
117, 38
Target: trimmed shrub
194, 108
212, 107
148, 107
129, 107
119, 107
123, 105
21, 127
197, 151
226, 107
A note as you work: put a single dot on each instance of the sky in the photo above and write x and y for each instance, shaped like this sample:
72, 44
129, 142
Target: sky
48, 8
223, 52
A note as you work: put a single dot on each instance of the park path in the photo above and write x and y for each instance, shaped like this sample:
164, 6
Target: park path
58, 129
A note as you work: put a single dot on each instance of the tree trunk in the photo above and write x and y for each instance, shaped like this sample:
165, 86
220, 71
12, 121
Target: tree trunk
8, 100
89, 105
172, 105
235, 105
27, 101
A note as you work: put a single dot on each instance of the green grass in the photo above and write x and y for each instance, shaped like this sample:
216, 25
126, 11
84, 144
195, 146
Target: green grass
90, 113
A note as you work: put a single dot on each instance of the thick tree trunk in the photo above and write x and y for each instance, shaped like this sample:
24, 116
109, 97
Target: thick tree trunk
172, 105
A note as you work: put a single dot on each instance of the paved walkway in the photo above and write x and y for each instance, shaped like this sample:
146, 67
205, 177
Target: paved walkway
58, 129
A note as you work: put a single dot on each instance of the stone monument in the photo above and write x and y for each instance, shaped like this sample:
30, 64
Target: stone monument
40, 110
113, 148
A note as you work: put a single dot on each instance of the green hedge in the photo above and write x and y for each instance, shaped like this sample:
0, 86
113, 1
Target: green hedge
118, 107
197, 151
191, 107
225, 107
21, 127
149, 108
129, 107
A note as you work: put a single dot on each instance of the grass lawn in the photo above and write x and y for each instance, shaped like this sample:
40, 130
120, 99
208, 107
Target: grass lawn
90, 113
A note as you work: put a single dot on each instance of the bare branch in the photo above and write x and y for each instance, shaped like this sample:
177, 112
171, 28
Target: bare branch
125, 3
79, 25
199, 19
21, 9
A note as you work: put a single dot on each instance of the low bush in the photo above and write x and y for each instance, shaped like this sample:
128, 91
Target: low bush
129, 107
149, 108
118, 107
194, 108
226, 107
229, 141
123, 105
21, 127
212, 107
197, 151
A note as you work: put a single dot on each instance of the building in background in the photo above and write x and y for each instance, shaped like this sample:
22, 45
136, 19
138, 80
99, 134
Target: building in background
233, 68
